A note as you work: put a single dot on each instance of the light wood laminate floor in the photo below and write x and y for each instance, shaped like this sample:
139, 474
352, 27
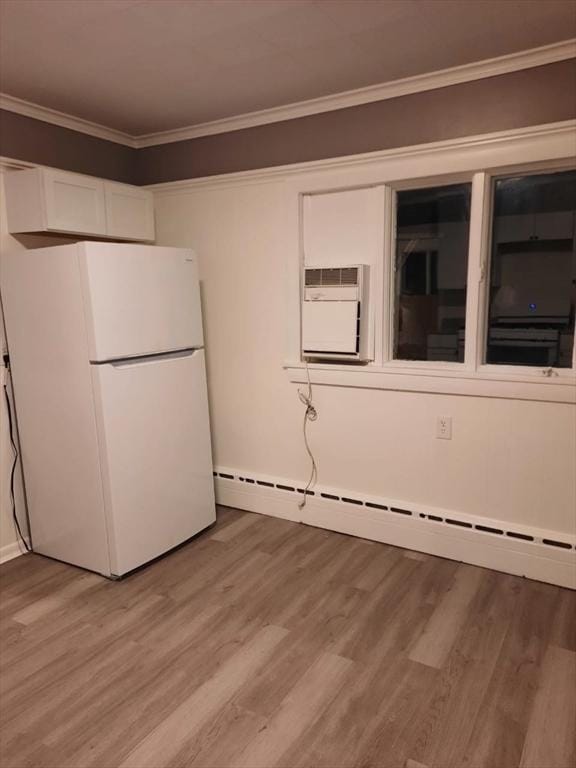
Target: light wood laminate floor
267, 643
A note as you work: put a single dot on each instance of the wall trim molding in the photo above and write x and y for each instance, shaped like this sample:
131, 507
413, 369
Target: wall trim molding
512, 548
64, 120
438, 380
10, 551
500, 65
564, 132
7, 164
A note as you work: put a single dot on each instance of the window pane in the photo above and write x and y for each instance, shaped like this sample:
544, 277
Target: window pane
533, 271
432, 228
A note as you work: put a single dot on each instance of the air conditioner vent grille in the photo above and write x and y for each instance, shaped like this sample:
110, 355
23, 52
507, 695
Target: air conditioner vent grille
313, 278
333, 277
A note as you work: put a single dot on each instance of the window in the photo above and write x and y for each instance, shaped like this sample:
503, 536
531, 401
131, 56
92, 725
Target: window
432, 233
532, 288
471, 286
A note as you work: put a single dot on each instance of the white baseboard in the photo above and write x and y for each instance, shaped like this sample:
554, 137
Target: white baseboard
540, 554
10, 551
424, 529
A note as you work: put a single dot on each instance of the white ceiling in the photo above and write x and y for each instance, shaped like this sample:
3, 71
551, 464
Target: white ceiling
142, 66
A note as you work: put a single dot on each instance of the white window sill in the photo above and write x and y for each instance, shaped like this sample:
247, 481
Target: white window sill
450, 380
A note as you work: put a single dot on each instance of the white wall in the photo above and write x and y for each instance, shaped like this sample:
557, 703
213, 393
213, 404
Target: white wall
509, 460
9, 545
512, 460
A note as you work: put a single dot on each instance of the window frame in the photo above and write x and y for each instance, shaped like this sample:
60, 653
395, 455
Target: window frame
478, 277
478, 160
390, 266
550, 372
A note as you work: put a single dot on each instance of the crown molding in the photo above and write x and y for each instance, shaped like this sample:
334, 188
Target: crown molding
9, 164
501, 65
46, 115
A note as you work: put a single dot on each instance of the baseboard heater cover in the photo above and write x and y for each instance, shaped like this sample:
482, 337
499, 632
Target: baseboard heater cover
543, 555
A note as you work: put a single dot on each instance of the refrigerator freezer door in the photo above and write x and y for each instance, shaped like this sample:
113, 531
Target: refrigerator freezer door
154, 435
139, 300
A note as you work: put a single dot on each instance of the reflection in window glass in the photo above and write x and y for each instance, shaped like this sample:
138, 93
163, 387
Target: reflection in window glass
533, 271
432, 228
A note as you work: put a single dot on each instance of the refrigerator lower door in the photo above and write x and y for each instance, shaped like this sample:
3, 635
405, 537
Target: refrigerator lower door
154, 435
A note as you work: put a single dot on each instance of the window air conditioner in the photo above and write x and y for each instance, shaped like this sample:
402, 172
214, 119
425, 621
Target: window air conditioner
335, 313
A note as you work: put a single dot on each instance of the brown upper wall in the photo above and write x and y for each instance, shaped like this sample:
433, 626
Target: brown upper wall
530, 97
23, 138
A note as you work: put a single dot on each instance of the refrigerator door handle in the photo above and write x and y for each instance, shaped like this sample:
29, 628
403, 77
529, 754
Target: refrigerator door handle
127, 362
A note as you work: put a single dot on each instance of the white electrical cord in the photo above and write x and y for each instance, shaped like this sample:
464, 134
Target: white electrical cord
310, 414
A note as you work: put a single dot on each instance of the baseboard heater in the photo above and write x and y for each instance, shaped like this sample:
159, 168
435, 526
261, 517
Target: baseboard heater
535, 553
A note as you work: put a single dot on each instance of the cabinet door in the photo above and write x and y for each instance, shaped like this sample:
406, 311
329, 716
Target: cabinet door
129, 212
74, 203
555, 225
514, 228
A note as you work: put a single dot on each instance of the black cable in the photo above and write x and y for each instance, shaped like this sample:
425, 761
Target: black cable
13, 470
310, 414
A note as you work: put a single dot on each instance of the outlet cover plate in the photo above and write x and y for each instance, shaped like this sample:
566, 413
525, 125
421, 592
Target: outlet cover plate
444, 428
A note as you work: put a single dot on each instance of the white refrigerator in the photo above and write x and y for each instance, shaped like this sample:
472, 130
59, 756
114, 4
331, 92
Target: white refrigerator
107, 357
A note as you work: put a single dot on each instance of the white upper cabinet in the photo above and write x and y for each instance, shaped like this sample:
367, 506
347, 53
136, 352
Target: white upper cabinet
129, 212
554, 225
45, 200
74, 203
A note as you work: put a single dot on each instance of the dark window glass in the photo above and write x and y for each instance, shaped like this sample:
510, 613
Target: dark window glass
533, 271
432, 228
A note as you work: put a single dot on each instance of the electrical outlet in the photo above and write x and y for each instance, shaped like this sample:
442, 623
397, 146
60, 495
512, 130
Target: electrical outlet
444, 428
